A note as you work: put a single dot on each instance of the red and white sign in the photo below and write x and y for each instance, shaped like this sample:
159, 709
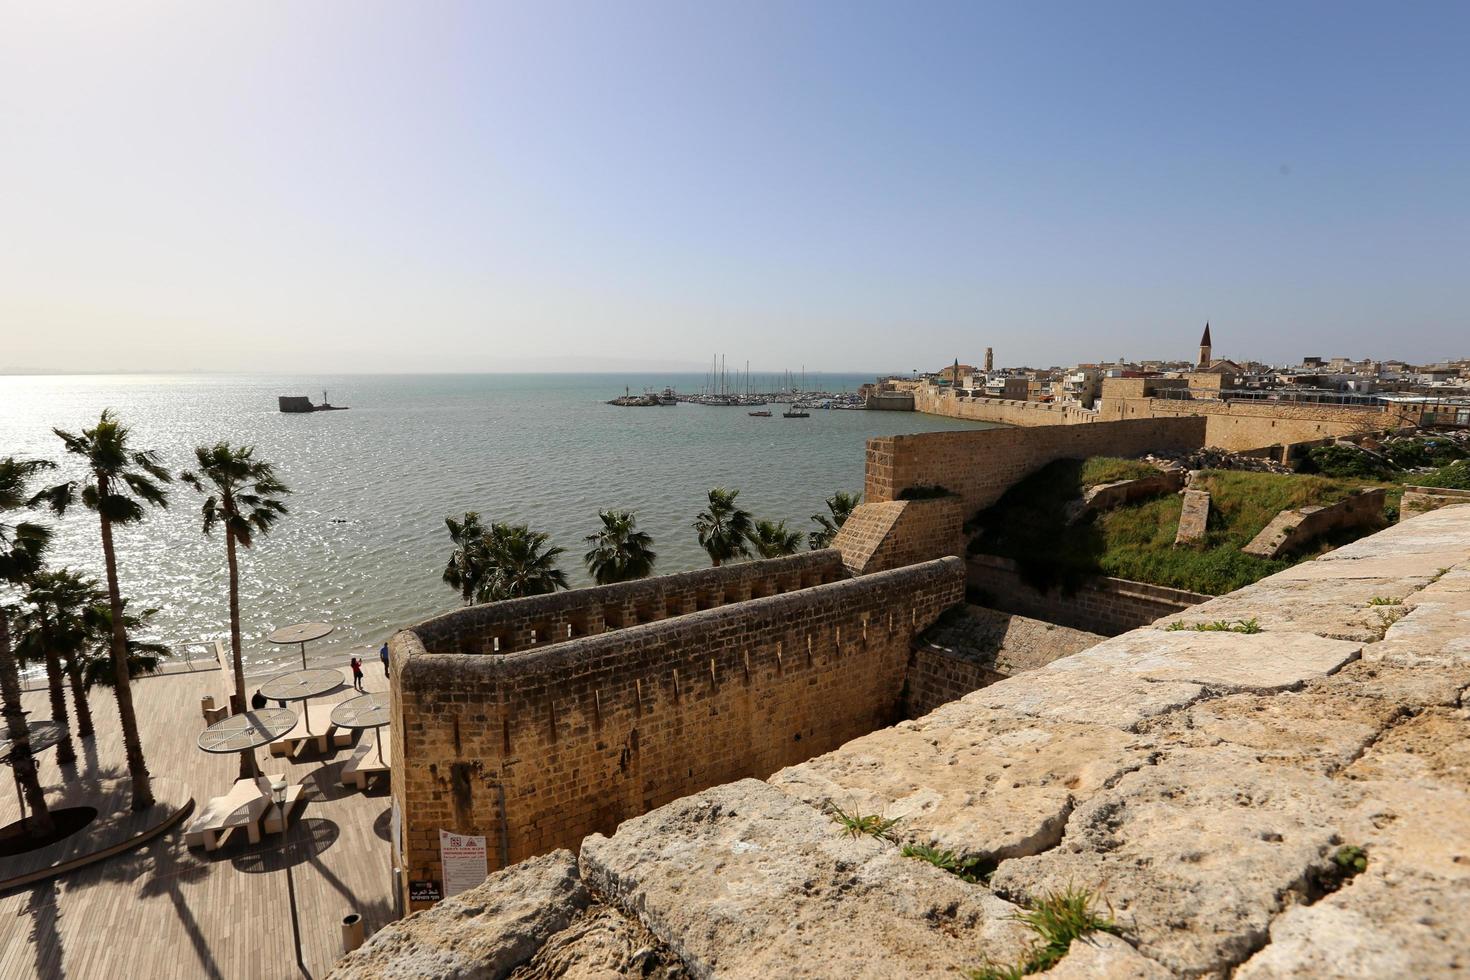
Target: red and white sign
463, 858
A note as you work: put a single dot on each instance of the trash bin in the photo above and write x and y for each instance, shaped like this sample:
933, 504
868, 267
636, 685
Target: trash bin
351, 932
206, 706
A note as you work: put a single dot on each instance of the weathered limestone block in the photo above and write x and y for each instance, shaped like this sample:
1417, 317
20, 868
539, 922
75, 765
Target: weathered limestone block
1402, 678
481, 934
1196, 855
1106, 496
602, 944
745, 881
1291, 529
1373, 928
1088, 694
1104, 957
1217, 661
985, 784
1194, 518
1318, 728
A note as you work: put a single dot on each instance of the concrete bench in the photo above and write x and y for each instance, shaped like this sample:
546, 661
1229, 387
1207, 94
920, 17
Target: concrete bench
276, 820
364, 764
243, 806
323, 735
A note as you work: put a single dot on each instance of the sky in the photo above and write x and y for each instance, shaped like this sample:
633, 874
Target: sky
343, 187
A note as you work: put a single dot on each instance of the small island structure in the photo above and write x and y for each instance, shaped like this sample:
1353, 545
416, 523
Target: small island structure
298, 404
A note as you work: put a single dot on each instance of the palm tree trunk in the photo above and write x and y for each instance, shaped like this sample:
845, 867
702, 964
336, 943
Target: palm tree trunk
15, 729
66, 753
247, 757
132, 742
79, 698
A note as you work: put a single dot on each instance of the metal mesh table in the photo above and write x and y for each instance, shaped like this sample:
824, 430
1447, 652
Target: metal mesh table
251, 730
300, 685
302, 634
365, 711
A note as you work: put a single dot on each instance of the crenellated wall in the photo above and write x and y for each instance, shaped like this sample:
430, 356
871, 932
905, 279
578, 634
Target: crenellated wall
536, 748
535, 621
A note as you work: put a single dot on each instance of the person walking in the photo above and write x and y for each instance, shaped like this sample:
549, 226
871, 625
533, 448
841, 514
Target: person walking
383, 654
357, 673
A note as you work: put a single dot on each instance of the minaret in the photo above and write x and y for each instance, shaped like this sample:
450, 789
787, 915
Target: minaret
1204, 348
989, 360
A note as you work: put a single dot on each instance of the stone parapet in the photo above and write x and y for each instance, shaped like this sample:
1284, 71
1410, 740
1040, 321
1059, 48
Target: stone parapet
535, 621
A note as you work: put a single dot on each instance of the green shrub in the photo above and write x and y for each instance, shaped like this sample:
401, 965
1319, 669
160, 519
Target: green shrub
1347, 461
1455, 476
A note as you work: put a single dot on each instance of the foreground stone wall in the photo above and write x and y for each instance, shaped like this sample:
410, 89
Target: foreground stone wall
1100, 604
1200, 785
536, 749
981, 465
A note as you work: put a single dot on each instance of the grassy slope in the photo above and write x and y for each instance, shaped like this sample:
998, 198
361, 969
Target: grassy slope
1136, 541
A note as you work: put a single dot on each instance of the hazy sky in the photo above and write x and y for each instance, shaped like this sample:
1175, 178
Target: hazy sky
335, 186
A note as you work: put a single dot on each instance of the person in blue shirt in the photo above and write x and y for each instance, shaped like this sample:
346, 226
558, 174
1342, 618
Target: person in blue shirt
383, 653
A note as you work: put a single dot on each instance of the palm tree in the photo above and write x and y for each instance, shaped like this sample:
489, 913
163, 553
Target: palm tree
22, 548
242, 494
522, 563
772, 539
620, 552
723, 527
119, 481
94, 656
52, 629
840, 505
469, 563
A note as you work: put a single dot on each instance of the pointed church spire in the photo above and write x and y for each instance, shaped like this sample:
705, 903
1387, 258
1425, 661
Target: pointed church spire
1205, 340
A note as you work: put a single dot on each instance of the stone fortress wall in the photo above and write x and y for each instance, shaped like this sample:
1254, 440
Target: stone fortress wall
505, 726
1236, 425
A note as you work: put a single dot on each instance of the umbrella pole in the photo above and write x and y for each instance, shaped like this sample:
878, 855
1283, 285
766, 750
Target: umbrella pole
303, 654
378, 737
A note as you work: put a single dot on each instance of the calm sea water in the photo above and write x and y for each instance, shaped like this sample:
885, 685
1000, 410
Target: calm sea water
365, 543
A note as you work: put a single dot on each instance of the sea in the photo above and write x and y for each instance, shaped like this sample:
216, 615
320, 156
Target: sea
364, 545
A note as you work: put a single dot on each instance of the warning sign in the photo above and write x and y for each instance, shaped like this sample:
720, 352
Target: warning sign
463, 858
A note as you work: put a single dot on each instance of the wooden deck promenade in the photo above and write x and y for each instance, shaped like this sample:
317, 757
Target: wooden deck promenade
165, 911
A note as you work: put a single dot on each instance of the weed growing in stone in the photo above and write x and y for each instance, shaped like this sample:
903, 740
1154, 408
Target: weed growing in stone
872, 825
1386, 618
1218, 626
1350, 860
1057, 919
1383, 600
966, 869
